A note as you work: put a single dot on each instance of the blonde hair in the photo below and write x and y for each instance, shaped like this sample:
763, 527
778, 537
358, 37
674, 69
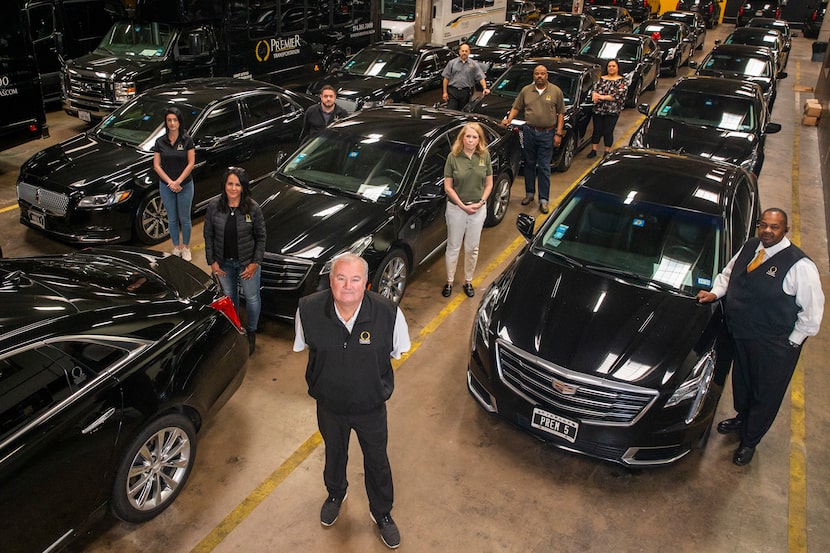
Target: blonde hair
458, 145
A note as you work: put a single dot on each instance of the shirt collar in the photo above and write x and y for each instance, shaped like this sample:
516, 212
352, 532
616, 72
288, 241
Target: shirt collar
783, 244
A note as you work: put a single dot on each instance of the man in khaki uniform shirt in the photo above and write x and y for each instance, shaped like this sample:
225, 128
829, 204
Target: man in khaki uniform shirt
544, 108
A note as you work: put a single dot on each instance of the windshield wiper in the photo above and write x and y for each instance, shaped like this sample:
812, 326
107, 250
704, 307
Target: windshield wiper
566, 258
634, 276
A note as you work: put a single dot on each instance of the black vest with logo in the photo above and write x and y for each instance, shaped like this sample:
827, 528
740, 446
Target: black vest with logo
349, 373
756, 304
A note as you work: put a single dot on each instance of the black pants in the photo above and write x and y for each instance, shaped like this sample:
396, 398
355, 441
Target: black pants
458, 97
760, 377
604, 124
373, 435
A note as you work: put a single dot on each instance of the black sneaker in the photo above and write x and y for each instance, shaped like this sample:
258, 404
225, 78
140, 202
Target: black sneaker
591, 154
331, 509
388, 530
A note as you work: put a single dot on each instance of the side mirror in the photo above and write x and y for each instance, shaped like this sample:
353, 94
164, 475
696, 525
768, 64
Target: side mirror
525, 224
693, 64
429, 191
207, 141
772, 128
644, 108
280, 159
782, 75
718, 41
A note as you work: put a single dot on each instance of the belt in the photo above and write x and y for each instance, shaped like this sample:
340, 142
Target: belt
541, 129
461, 87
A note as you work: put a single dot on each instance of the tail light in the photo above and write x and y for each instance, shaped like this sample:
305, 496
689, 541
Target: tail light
678, 6
778, 13
814, 16
645, 4
711, 8
740, 11
225, 306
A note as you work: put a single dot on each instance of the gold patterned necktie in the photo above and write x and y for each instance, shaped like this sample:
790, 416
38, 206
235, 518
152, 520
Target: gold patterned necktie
759, 258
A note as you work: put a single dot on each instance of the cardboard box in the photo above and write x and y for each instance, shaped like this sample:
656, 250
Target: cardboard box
812, 108
809, 121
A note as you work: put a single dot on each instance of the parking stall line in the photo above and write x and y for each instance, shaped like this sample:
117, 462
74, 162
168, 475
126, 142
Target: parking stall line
8, 208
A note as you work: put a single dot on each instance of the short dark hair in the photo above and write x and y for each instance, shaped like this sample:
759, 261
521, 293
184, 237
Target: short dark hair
777, 210
327, 87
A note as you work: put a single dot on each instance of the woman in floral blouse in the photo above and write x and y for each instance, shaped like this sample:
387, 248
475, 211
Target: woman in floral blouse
608, 97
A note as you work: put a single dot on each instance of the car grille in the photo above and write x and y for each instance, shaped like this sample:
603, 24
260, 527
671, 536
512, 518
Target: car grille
582, 397
53, 202
86, 88
283, 273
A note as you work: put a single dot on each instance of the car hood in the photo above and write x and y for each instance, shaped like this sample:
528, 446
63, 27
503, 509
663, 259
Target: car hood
81, 161
719, 144
120, 67
597, 325
351, 86
494, 105
311, 223
562, 35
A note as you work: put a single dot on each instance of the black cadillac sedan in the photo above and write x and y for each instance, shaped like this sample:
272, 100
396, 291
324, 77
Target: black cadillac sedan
569, 31
575, 78
708, 9
111, 361
722, 119
758, 36
592, 339
371, 184
757, 8
388, 72
614, 19
695, 22
674, 39
639, 58
497, 46
100, 187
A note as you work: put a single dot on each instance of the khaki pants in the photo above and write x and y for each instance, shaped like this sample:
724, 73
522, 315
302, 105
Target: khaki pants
467, 229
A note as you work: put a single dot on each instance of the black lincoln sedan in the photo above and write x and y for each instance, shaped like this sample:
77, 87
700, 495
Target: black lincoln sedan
576, 80
497, 46
613, 19
388, 72
695, 22
100, 187
111, 362
674, 39
370, 184
592, 339
639, 58
569, 31
722, 119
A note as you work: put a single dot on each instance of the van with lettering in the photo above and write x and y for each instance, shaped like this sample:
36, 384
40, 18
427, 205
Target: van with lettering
285, 42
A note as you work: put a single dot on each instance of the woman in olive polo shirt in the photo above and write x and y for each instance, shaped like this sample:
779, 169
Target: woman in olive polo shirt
468, 181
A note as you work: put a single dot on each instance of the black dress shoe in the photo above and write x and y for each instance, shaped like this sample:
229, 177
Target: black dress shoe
592, 153
469, 290
447, 290
730, 425
743, 455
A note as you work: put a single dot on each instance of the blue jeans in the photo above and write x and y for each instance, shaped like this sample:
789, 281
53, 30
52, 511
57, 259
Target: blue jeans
230, 285
178, 206
538, 149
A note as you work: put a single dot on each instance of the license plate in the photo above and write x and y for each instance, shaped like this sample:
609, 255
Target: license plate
554, 424
37, 219
84, 116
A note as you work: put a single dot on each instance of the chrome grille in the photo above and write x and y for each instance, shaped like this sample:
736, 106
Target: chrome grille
575, 395
54, 203
86, 88
282, 272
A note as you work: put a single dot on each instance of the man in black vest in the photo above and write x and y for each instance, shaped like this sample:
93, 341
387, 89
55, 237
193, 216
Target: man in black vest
773, 303
351, 335
319, 116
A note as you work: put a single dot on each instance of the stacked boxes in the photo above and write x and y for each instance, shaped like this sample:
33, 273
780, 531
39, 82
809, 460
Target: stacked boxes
812, 112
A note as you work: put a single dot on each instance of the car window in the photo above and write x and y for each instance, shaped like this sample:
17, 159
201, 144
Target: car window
497, 37
195, 41
141, 121
428, 65
742, 216
380, 63
432, 169
724, 112
221, 121
741, 65
263, 107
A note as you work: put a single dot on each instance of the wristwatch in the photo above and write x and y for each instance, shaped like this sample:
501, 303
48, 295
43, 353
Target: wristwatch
560, 134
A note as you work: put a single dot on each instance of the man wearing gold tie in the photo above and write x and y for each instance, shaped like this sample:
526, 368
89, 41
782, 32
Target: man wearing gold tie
773, 303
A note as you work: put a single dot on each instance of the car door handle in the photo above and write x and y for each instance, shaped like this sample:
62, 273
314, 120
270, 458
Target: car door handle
99, 421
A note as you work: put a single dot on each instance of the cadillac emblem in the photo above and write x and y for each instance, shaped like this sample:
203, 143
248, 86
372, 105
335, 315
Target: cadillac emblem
563, 388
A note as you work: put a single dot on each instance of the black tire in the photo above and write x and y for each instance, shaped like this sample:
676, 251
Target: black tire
154, 469
634, 98
675, 68
498, 201
151, 225
392, 274
568, 153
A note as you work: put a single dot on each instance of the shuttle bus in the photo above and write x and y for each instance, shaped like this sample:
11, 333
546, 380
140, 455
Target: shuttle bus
452, 20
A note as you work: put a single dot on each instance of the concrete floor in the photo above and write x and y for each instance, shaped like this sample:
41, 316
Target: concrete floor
466, 481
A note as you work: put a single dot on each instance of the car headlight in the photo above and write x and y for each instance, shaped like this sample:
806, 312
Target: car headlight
670, 53
500, 65
637, 140
124, 91
357, 248
485, 313
749, 163
695, 386
102, 200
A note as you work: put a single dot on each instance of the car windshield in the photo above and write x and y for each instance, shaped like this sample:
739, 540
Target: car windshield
738, 65
688, 19
609, 49
603, 13
398, 10
561, 23
646, 241
519, 76
497, 37
364, 166
130, 38
753, 39
141, 122
380, 63
724, 112
657, 31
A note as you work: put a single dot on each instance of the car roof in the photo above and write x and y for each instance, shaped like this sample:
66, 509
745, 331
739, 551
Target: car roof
516, 26
719, 86
765, 21
620, 37
756, 31
743, 50
679, 180
202, 92
561, 64
404, 123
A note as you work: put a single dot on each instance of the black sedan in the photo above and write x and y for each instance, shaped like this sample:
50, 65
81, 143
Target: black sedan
695, 22
388, 72
674, 39
766, 38
639, 58
371, 184
757, 8
497, 46
775, 25
814, 19
613, 19
592, 339
569, 31
111, 361
738, 61
575, 78
100, 187
708, 9
721, 119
